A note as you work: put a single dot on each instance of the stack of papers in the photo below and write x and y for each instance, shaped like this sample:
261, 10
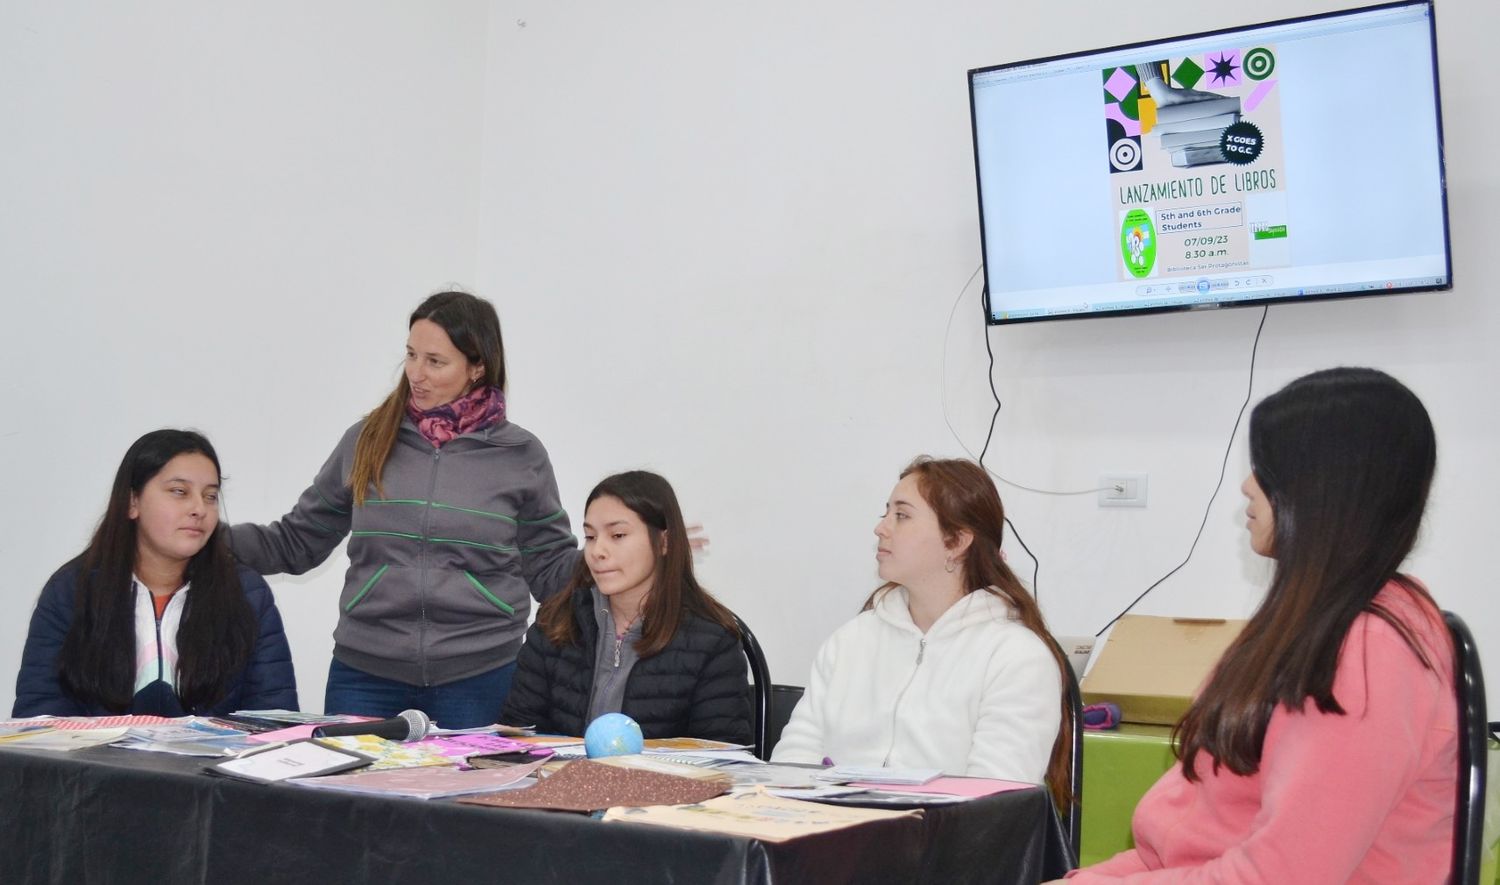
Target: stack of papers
73, 738
18, 732
458, 747
663, 765
81, 723
387, 754
426, 783
756, 815
193, 736
874, 774
689, 745
296, 717
79, 732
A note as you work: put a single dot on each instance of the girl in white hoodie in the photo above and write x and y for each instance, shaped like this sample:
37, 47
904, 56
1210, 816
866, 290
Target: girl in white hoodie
949, 665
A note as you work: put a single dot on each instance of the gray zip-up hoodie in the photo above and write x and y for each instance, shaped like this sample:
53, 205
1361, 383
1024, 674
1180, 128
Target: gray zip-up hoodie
442, 567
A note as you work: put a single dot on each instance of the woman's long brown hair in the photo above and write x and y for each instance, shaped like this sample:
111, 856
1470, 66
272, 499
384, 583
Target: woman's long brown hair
1346, 458
964, 499
217, 635
474, 328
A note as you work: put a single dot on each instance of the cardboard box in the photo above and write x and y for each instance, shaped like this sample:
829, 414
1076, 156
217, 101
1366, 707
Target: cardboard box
1152, 667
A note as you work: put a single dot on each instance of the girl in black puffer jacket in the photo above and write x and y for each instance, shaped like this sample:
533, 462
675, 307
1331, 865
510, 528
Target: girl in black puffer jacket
634, 633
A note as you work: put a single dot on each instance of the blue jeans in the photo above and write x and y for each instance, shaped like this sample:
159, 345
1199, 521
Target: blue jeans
467, 703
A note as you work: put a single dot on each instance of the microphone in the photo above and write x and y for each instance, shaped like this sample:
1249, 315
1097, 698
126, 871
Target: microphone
411, 725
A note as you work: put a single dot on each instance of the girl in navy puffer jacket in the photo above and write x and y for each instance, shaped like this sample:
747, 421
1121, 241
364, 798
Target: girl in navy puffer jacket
634, 632
154, 617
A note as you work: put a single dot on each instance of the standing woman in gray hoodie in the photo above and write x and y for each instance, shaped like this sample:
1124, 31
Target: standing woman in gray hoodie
454, 524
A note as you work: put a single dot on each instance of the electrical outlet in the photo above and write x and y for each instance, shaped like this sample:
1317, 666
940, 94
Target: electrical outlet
1122, 490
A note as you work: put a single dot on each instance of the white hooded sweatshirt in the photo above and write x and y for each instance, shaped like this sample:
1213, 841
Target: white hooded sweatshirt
979, 694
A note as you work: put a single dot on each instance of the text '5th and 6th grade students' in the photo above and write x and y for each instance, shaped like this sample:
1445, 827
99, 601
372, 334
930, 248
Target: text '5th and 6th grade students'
455, 525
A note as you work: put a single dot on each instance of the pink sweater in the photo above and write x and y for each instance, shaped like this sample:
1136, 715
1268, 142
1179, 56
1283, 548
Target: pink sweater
1364, 797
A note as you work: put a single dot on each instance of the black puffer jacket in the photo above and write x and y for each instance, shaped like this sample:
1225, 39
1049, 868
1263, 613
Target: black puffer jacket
696, 687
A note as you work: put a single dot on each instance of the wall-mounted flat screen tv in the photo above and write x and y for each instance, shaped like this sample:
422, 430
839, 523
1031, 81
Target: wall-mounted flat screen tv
1287, 161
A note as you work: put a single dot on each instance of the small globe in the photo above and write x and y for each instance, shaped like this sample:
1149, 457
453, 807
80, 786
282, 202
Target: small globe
613, 734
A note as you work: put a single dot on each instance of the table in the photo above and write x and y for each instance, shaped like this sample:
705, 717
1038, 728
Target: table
116, 816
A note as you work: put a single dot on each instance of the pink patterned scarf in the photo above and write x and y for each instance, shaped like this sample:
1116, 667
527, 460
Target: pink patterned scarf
475, 410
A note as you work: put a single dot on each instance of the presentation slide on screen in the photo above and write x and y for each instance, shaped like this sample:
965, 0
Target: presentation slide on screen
1274, 162
1190, 140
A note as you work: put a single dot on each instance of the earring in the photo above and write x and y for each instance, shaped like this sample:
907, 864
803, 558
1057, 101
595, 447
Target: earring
950, 566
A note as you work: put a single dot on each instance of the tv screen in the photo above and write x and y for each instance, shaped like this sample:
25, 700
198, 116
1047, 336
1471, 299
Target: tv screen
1288, 161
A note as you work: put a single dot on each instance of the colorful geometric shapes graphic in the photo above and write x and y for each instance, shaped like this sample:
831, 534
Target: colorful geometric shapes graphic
1125, 155
1223, 68
1145, 111
1187, 74
1258, 94
1259, 63
1120, 83
1124, 150
1129, 125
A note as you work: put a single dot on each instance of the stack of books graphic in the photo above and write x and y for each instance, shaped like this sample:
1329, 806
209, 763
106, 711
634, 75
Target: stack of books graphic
1191, 129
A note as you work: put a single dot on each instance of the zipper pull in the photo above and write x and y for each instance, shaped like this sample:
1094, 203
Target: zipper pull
921, 650
618, 640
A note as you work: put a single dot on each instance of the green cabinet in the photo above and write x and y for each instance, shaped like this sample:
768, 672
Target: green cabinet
1118, 768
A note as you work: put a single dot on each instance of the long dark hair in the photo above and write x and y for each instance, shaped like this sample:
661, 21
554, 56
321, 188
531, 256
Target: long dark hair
964, 499
218, 629
1346, 458
474, 328
674, 592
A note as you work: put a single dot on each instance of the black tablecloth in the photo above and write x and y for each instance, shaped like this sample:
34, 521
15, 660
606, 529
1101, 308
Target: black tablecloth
117, 816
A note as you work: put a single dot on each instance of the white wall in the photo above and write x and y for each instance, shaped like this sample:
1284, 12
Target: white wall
725, 242
216, 216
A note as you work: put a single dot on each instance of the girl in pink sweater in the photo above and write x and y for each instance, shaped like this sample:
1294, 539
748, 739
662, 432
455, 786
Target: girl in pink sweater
1323, 749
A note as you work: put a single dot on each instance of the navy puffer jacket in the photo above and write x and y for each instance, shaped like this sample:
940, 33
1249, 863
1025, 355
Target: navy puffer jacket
267, 682
696, 687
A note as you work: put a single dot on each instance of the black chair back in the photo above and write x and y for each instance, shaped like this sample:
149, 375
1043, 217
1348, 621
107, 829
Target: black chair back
1075, 769
1073, 820
1473, 734
784, 699
760, 676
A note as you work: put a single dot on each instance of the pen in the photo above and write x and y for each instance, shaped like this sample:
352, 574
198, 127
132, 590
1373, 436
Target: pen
253, 750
